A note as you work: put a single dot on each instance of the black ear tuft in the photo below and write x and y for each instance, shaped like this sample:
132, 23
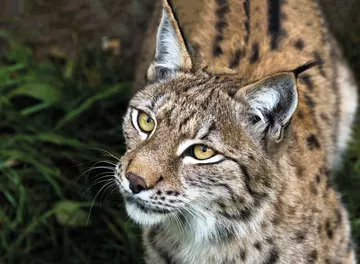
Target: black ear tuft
307, 66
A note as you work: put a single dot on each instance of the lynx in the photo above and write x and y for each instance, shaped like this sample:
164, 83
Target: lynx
232, 144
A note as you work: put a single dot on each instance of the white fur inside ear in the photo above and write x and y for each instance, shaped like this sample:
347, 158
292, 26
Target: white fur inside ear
168, 50
264, 101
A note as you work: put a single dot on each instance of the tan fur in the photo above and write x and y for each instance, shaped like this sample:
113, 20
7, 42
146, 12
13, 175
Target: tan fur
271, 199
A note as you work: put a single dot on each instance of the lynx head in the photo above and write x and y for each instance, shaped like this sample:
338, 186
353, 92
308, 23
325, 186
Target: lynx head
203, 148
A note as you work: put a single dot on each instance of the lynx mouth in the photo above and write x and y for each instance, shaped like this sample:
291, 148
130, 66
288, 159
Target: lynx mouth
147, 207
141, 210
145, 213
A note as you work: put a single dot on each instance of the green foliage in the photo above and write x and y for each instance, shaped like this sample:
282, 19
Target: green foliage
55, 117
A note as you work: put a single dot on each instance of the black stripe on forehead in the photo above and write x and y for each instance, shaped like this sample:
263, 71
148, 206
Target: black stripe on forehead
148, 100
194, 125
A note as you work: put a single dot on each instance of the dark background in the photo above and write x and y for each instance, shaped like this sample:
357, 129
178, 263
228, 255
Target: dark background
67, 71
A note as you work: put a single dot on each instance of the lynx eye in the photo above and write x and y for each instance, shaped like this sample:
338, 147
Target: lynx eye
145, 122
202, 152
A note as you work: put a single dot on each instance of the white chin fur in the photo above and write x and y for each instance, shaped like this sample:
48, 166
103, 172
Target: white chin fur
143, 218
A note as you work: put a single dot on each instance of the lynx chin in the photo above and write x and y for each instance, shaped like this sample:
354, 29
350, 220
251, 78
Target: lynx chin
232, 144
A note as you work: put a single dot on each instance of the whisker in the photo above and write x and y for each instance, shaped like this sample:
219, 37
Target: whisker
121, 204
207, 216
178, 222
83, 163
115, 190
184, 215
181, 223
95, 183
107, 189
109, 153
95, 168
92, 203
101, 167
104, 174
87, 162
192, 210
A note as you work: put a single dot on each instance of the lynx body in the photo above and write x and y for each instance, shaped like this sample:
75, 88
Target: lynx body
232, 143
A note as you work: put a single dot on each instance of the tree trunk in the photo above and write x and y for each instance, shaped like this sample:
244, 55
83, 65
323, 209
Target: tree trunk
8, 9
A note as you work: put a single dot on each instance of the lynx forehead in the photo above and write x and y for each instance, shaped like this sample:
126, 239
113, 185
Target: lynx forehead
232, 143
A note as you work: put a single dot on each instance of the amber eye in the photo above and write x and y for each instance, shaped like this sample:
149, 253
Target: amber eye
202, 152
146, 123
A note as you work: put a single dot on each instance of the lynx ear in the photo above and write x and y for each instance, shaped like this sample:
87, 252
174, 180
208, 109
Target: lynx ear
272, 102
171, 53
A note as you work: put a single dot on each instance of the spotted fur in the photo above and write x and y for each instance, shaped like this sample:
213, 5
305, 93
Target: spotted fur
278, 122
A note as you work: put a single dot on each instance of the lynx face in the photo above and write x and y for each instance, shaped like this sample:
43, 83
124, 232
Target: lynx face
203, 147
196, 148
194, 158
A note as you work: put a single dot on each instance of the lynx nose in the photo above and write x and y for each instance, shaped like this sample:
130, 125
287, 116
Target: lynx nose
137, 184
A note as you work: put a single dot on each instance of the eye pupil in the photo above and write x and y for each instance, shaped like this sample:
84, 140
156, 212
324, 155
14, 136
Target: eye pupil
202, 152
145, 122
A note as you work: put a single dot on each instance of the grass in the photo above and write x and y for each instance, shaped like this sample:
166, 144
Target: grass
57, 118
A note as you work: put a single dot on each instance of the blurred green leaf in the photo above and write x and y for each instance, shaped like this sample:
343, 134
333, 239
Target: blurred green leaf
34, 109
69, 213
58, 139
6, 34
20, 53
42, 91
69, 69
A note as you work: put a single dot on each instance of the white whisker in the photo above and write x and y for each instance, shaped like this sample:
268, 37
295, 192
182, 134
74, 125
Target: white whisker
94, 167
92, 203
98, 181
109, 153
107, 189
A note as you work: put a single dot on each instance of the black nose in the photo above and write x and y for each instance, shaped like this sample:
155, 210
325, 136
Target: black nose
137, 184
